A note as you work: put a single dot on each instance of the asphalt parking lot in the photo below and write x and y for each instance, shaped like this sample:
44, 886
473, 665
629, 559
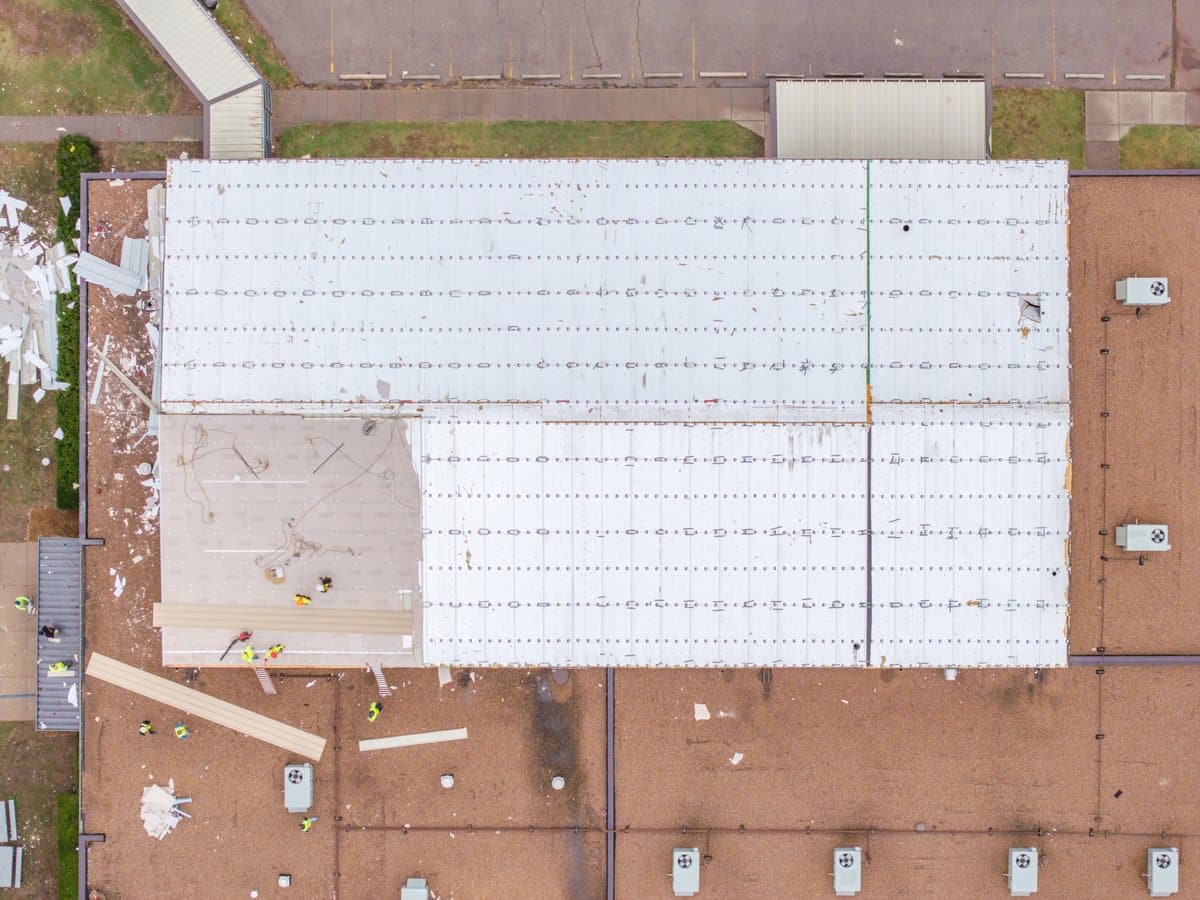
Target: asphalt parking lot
1070, 43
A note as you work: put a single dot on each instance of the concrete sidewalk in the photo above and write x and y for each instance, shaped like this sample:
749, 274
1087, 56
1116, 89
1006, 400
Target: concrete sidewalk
168, 129
18, 632
1108, 116
745, 105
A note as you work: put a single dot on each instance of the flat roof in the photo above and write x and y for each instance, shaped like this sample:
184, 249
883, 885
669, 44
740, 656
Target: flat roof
664, 412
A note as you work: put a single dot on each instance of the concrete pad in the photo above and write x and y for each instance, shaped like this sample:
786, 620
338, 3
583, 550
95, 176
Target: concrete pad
1168, 108
416, 106
378, 105
510, 104
1096, 132
646, 105
848, 737
1133, 108
1100, 107
713, 103
1191, 107
1102, 154
1151, 726
314, 105
1119, 227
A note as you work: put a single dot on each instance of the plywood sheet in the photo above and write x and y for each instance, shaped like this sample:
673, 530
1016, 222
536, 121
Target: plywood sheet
282, 618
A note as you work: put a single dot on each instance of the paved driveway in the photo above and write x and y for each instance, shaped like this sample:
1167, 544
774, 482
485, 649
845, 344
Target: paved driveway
1115, 42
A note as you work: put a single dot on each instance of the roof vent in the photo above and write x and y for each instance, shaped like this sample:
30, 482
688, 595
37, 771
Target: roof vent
847, 871
685, 871
1162, 871
1022, 871
1143, 292
1138, 538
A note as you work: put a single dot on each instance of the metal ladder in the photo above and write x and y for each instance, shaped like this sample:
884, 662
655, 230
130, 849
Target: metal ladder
385, 689
268, 686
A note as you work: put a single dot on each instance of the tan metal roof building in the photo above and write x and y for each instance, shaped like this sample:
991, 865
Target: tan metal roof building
856, 119
236, 98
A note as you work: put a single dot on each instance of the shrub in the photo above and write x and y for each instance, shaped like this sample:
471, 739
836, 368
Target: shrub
75, 156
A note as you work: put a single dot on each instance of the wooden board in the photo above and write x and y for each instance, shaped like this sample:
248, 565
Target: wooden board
413, 740
282, 618
205, 707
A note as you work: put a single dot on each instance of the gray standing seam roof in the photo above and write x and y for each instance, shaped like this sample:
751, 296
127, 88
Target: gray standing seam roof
59, 602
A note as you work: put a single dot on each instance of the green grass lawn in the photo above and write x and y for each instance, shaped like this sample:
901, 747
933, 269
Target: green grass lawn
68, 841
37, 769
1160, 147
531, 140
249, 36
81, 57
1040, 123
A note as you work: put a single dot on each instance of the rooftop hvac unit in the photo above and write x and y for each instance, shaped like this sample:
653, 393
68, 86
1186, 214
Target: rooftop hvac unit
1162, 871
847, 871
298, 787
1022, 871
1143, 292
415, 889
685, 871
1139, 538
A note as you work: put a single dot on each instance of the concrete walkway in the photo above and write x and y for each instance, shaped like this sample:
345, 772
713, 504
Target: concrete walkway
18, 632
1108, 116
102, 128
745, 105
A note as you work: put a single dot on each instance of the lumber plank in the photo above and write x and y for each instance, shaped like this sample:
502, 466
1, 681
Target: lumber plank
413, 740
282, 618
202, 706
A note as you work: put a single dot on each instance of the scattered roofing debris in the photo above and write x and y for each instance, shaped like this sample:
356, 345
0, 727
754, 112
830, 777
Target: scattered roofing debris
120, 281
160, 809
30, 277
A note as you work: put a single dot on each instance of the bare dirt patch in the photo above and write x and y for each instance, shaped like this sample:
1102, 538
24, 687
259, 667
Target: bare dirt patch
36, 30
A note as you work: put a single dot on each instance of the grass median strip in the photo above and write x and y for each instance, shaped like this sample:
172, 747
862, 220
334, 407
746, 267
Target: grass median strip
523, 140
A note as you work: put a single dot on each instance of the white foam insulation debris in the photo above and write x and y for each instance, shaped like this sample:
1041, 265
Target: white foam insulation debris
31, 276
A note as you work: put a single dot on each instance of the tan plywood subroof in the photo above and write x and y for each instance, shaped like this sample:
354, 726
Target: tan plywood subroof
205, 707
282, 618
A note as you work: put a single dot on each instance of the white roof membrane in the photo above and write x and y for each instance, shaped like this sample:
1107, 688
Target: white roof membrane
643, 544
970, 514
633, 290
968, 274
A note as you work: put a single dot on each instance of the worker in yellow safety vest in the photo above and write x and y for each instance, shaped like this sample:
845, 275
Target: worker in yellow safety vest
23, 604
324, 583
248, 655
373, 711
306, 823
274, 650
302, 599
145, 727
60, 666
181, 731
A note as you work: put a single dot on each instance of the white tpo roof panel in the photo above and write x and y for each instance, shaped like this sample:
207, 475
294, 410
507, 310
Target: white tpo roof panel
194, 45
627, 286
970, 518
606, 544
969, 297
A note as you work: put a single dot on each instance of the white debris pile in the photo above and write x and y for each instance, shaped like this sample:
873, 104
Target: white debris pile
160, 809
31, 276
